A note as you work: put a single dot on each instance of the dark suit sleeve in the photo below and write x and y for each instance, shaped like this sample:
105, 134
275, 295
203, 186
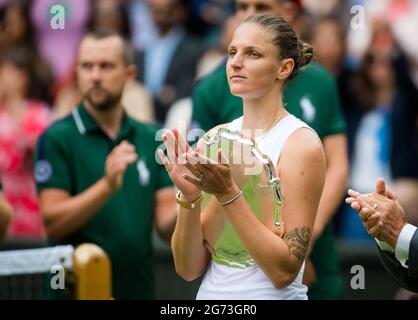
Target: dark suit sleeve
413, 256
406, 278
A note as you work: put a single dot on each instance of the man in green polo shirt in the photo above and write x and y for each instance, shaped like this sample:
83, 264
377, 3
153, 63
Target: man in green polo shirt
5, 214
97, 175
312, 96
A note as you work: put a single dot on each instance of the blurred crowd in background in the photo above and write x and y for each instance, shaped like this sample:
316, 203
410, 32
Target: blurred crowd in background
372, 53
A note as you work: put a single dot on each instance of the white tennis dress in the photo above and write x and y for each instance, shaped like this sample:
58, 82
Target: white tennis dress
251, 283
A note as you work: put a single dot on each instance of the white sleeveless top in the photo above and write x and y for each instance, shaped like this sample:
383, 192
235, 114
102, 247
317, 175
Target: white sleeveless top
223, 282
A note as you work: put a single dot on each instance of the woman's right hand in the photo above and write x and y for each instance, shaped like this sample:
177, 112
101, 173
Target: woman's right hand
177, 166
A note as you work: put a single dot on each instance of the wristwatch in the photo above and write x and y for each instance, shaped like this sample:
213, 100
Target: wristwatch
189, 205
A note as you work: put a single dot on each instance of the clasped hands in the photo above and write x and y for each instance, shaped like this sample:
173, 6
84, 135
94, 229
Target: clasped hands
380, 212
192, 172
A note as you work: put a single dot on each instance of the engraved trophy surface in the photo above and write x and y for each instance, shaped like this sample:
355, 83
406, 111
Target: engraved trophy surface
255, 175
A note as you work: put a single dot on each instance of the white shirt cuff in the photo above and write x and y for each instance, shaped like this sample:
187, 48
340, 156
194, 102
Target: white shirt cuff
384, 246
402, 245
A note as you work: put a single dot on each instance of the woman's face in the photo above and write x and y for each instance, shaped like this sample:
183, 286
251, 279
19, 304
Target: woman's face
108, 15
380, 70
13, 79
328, 55
16, 26
253, 62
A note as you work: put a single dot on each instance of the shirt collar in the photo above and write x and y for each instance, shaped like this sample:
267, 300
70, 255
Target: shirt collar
86, 123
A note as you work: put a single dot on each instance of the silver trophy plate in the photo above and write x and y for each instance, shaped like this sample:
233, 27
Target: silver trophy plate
256, 176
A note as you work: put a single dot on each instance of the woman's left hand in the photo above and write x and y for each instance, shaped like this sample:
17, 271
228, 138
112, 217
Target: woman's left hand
216, 176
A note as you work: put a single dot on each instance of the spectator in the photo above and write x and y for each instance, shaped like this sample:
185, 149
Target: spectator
311, 96
5, 214
402, 18
114, 15
16, 26
22, 119
209, 15
317, 10
385, 219
380, 112
330, 30
168, 66
144, 31
17, 31
96, 173
324, 32
110, 14
136, 99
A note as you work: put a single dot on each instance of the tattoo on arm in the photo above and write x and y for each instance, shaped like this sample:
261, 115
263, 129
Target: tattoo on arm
298, 241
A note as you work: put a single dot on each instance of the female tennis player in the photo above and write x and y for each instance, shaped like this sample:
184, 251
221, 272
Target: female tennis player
264, 54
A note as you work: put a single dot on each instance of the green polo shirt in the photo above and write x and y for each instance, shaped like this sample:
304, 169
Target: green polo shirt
312, 97
71, 156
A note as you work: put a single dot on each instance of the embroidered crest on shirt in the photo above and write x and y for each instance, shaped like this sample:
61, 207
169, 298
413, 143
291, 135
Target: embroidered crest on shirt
143, 172
43, 171
308, 109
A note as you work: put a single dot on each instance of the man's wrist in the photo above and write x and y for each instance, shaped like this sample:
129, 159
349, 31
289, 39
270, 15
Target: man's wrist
108, 186
403, 242
393, 240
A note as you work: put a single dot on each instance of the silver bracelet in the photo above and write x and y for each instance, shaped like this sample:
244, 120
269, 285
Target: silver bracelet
231, 200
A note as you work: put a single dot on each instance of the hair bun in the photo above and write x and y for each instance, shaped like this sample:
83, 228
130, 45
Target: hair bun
305, 52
